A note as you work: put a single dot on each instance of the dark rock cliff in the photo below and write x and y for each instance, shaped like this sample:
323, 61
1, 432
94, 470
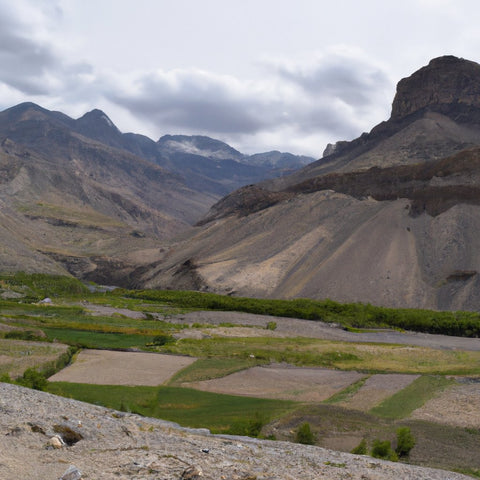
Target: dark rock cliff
447, 84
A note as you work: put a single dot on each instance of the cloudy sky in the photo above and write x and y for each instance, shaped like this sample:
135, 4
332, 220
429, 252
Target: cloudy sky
289, 75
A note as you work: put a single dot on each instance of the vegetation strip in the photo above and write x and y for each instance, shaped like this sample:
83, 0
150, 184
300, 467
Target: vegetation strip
404, 402
347, 392
356, 315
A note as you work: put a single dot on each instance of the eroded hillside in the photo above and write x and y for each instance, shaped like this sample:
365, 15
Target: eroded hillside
390, 218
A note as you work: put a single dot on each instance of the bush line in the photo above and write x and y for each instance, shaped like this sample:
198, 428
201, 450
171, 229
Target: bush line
356, 315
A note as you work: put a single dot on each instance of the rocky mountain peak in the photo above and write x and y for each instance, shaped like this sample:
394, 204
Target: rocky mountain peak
97, 118
445, 81
199, 145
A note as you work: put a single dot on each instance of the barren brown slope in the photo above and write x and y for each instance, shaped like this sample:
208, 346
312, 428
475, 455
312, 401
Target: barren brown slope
73, 204
403, 236
391, 218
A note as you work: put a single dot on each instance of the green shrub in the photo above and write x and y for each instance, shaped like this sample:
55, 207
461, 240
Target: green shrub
305, 435
33, 379
405, 441
22, 335
250, 428
348, 315
160, 340
271, 325
5, 378
383, 449
361, 448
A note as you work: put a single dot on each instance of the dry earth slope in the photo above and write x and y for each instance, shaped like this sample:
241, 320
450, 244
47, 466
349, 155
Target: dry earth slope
390, 218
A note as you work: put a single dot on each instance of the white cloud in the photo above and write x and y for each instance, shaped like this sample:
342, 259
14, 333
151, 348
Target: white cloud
333, 95
291, 101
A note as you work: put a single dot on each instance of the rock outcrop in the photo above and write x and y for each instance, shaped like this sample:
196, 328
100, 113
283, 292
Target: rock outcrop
446, 84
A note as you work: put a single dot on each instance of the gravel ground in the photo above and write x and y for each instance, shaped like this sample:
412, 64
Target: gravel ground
315, 329
458, 406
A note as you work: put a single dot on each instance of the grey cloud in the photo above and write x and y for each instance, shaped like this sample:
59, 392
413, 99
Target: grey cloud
332, 97
29, 65
349, 80
24, 61
193, 102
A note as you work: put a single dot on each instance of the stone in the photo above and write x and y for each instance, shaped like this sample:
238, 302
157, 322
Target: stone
191, 473
72, 473
55, 442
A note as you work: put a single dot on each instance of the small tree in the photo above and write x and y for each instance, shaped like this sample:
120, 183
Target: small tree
405, 441
305, 435
383, 449
361, 448
33, 379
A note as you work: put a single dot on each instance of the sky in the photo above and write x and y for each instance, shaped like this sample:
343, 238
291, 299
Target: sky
261, 75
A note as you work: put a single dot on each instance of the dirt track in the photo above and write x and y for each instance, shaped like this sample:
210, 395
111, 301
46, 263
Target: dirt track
315, 329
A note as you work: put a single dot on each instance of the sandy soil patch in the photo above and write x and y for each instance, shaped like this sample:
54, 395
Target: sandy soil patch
282, 382
458, 405
104, 367
376, 389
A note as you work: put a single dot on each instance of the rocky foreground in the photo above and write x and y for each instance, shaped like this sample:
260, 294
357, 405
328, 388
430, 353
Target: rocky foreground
47, 437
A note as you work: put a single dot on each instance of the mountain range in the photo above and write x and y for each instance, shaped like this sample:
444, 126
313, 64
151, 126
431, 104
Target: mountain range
390, 218
80, 197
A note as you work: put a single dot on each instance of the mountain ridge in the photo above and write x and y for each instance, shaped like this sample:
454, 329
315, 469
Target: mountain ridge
80, 197
389, 218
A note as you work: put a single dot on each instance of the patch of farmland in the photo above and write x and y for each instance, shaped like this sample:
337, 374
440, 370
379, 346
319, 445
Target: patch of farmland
281, 382
18, 355
105, 367
458, 405
376, 389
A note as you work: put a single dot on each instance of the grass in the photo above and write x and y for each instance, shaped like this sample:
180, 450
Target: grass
439, 446
191, 408
347, 392
100, 340
404, 402
84, 217
209, 368
349, 315
36, 286
301, 351
16, 356
472, 472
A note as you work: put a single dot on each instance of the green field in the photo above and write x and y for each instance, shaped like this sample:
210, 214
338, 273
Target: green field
69, 319
192, 408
